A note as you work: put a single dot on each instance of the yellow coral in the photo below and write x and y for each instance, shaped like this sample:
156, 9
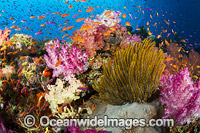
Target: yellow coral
28, 70
133, 76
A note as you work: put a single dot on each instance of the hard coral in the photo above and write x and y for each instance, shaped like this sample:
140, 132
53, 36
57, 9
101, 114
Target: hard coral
93, 37
72, 60
180, 97
133, 75
4, 36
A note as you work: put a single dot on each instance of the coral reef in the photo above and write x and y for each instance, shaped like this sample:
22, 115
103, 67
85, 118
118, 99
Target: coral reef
133, 75
180, 97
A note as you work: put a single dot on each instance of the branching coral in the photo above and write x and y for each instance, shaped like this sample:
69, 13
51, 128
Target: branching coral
133, 75
72, 61
4, 36
180, 97
59, 94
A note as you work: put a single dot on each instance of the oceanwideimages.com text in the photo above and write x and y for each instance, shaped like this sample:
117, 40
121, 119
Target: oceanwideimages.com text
129, 123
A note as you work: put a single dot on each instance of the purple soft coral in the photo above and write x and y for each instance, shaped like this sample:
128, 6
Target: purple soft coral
181, 97
72, 60
130, 39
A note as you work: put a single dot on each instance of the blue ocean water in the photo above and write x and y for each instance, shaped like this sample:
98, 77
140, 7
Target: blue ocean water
182, 15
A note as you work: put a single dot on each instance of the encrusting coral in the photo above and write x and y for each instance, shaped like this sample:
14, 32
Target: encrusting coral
133, 75
181, 97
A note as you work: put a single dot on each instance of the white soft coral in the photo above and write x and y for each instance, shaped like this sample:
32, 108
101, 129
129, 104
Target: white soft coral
59, 94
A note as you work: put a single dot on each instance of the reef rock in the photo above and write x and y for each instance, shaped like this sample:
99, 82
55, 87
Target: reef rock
127, 111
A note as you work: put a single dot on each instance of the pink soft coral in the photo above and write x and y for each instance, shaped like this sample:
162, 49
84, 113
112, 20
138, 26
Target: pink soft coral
181, 97
130, 39
4, 36
93, 37
72, 60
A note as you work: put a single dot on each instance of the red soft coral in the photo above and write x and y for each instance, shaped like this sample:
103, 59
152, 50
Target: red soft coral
93, 37
4, 36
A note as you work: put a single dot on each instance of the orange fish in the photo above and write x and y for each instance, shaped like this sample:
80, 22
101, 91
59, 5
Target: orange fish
138, 29
150, 16
97, 23
81, 40
80, 19
46, 73
90, 10
112, 28
147, 23
69, 28
195, 77
4, 64
13, 27
64, 15
91, 63
11, 63
70, 6
127, 24
164, 31
76, 38
44, 48
155, 24
124, 15
166, 22
79, 10
3, 59
18, 29
183, 41
58, 63
92, 16
41, 17
108, 12
56, 13
42, 25
33, 43
15, 52
53, 46
85, 28
158, 36
22, 58
166, 42
27, 28
93, 106
32, 17
168, 58
5, 81
9, 53
20, 74
12, 18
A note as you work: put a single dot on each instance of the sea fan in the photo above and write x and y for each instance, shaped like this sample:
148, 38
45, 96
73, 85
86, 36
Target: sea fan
133, 76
